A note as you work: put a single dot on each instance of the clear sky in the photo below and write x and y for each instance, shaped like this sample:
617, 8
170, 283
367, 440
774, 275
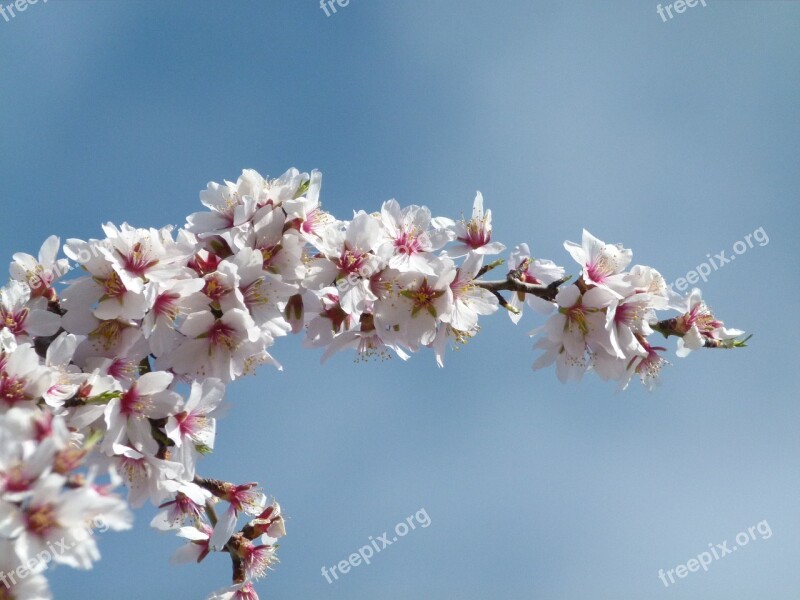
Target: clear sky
677, 138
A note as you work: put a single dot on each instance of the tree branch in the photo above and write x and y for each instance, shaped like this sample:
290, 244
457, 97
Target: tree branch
510, 284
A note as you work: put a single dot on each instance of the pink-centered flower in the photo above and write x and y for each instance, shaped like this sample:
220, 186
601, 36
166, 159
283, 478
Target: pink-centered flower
582, 322
648, 366
698, 325
128, 417
193, 428
145, 476
187, 505
475, 235
469, 300
52, 515
142, 255
270, 522
603, 264
40, 274
326, 317
197, 548
263, 294
228, 210
23, 317
23, 380
349, 261
407, 238
215, 347
169, 302
416, 304
239, 591
257, 559
246, 498
279, 246
536, 271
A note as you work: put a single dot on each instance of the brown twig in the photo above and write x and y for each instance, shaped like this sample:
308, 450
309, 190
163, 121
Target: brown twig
511, 284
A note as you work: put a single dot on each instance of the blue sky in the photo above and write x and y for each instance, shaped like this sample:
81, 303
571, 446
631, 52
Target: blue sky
676, 138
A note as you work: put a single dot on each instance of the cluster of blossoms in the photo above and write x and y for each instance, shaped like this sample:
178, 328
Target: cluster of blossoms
118, 375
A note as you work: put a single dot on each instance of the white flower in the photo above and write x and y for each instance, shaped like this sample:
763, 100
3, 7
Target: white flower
475, 235
52, 518
569, 367
239, 591
229, 210
281, 250
108, 338
603, 264
128, 417
263, 294
216, 347
348, 261
32, 587
305, 212
140, 255
417, 303
407, 238
647, 366
145, 476
23, 317
469, 300
193, 428
197, 548
581, 322
188, 505
698, 325
367, 342
23, 380
448, 336
67, 377
326, 317
169, 301
103, 293
531, 270
646, 280
24, 456
247, 499
95, 384
278, 191
42, 273
629, 318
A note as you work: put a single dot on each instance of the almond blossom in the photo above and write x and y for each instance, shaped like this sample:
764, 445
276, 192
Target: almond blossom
407, 238
40, 274
348, 259
531, 270
603, 264
699, 326
128, 416
475, 235
23, 317
193, 428
469, 300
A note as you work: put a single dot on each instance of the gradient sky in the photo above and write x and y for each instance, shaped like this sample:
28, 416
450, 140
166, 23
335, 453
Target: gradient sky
677, 139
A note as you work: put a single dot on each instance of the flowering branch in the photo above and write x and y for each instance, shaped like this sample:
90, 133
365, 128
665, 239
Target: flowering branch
115, 378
